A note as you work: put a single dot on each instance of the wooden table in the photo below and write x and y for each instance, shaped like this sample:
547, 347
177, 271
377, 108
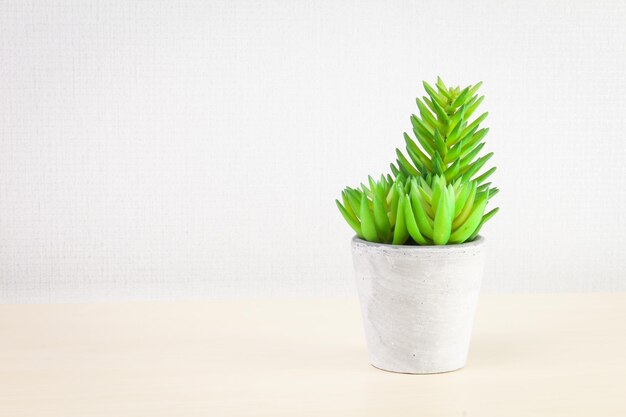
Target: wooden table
539, 355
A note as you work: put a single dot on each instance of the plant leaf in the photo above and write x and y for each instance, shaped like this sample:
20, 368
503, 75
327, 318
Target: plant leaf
484, 220
436, 98
381, 220
394, 169
467, 208
427, 116
452, 171
424, 223
475, 123
443, 89
486, 175
461, 98
443, 220
470, 170
368, 227
426, 143
469, 226
400, 232
354, 223
411, 224
473, 140
440, 145
462, 197
405, 164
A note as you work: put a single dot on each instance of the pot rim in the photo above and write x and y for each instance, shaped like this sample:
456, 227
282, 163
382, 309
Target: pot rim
474, 244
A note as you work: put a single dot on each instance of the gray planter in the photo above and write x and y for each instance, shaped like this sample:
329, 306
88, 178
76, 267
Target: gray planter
418, 303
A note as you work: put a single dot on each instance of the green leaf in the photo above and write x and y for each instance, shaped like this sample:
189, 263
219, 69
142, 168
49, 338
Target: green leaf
422, 128
469, 156
454, 153
420, 191
372, 186
411, 224
462, 197
440, 145
484, 220
400, 232
368, 226
475, 123
438, 185
424, 223
442, 116
489, 215
455, 134
438, 165
428, 117
461, 98
451, 201
467, 137
424, 184
469, 226
376, 188
452, 171
389, 195
382, 181
383, 227
462, 216
470, 170
470, 102
471, 108
410, 144
424, 141
354, 199
474, 89
457, 118
443, 90
346, 204
394, 170
354, 223
393, 207
405, 164
443, 220
419, 158
486, 175
424, 193
436, 98
484, 187
474, 139
457, 184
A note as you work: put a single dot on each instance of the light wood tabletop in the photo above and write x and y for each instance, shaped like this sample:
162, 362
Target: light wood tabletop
531, 355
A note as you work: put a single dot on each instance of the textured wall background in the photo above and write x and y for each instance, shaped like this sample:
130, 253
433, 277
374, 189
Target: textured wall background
177, 149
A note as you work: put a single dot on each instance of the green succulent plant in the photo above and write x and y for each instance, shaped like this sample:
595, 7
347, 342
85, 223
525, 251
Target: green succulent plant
436, 196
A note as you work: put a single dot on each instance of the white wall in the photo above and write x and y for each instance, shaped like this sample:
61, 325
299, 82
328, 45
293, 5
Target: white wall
180, 149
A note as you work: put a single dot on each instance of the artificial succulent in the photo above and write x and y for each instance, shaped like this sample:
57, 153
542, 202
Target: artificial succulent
437, 195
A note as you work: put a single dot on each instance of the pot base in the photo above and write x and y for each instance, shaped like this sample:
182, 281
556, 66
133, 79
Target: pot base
415, 372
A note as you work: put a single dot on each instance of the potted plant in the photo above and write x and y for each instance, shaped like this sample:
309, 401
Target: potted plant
418, 257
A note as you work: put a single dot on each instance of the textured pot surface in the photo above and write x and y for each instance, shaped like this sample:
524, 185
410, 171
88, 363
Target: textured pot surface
418, 303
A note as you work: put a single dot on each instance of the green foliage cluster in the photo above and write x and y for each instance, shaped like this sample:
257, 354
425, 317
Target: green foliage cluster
438, 195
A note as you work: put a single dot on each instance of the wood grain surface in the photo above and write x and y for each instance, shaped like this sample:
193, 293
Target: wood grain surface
539, 355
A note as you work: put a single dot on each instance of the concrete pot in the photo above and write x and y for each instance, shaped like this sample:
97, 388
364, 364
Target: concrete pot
418, 303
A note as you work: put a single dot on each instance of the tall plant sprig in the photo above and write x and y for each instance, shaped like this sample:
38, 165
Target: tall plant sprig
448, 144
